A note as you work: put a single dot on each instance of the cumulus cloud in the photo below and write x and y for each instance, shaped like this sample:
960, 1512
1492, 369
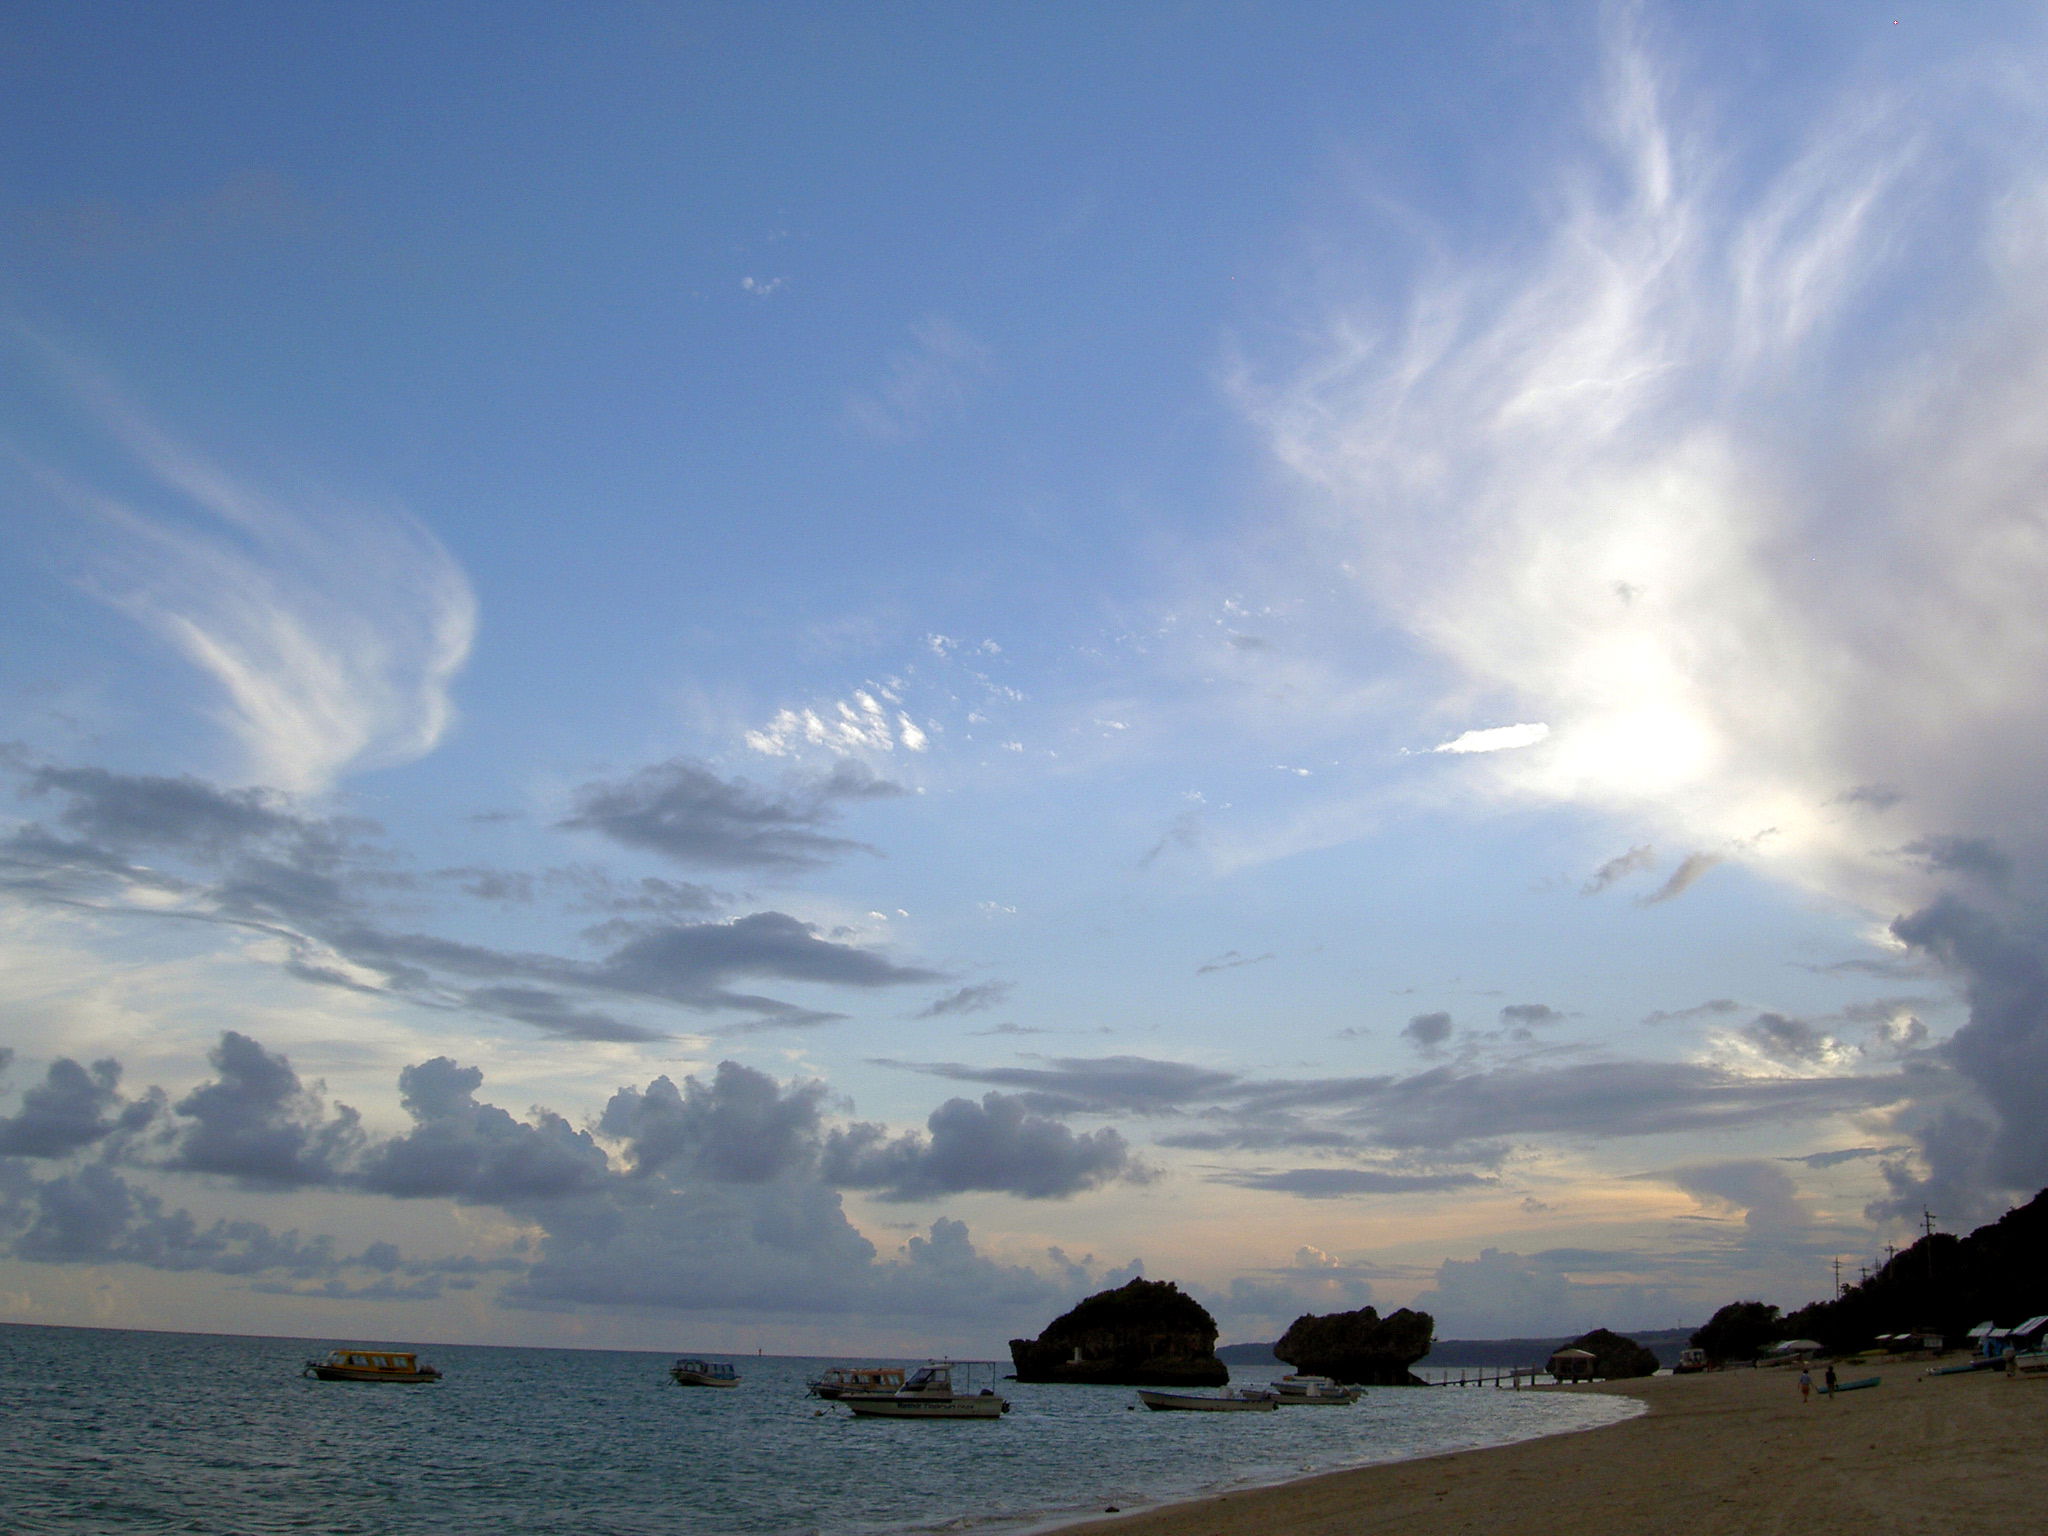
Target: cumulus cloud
478, 1153
258, 1124
74, 1107
997, 1144
722, 1194
1762, 1191
1427, 1032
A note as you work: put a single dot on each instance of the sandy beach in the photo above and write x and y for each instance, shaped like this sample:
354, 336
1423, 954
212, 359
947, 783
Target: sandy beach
1729, 1451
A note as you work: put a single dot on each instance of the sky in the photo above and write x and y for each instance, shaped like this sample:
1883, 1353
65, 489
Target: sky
815, 677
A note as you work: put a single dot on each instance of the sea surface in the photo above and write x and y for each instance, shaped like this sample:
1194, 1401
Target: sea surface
111, 1431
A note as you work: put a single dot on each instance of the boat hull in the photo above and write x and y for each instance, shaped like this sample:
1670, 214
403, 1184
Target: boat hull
357, 1373
1180, 1402
693, 1379
893, 1407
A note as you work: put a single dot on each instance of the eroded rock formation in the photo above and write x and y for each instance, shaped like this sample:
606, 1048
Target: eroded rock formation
1148, 1333
1359, 1347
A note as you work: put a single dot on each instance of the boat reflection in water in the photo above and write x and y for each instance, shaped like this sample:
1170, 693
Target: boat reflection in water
933, 1393
360, 1363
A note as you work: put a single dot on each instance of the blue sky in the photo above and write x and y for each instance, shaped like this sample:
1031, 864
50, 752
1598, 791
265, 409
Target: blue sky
812, 677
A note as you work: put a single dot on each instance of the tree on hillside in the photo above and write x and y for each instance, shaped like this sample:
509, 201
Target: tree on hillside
1739, 1331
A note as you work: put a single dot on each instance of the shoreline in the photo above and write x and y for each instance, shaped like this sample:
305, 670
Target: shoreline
1724, 1453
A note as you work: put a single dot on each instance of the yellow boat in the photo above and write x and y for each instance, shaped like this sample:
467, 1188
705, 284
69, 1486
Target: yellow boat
361, 1363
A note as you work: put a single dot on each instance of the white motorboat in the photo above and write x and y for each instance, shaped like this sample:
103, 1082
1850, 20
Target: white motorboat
931, 1392
1229, 1400
1297, 1388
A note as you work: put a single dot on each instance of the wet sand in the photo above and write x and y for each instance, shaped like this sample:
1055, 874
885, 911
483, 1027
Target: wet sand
1732, 1452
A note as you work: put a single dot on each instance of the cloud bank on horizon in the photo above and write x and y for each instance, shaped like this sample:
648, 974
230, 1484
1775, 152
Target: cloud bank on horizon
1658, 576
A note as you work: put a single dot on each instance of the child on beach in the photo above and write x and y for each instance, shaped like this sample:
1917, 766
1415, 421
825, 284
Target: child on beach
1805, 1384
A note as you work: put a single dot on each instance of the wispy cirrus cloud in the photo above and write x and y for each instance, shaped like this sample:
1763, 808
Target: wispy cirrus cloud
331, 628
1594, 466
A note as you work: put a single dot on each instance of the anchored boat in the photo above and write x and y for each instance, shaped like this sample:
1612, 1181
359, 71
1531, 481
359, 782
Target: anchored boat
704, 1373
857, 1381
1297, 1388
1229, 1400
932, 1393
358, 1363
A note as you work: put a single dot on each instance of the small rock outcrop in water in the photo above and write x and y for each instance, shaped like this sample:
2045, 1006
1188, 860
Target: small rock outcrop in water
1148, 1333
1359, 1347
1616, 1358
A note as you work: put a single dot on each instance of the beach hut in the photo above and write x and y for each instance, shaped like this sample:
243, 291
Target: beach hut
2028, 1335
1573, 1364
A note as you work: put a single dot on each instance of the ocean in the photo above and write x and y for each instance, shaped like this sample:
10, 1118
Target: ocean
109, 1431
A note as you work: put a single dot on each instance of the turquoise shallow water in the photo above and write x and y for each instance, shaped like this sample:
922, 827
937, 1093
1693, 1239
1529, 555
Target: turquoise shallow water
108, 1431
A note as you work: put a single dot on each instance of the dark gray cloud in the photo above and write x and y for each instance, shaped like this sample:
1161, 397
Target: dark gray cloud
257, 1124
72, 1108
997, 1144
553, 1014
1789, 1040
1530, 1015
144, 810
318, 885
1340, 1183
1619, 867
95, 1216
741, 1127
1689, 872
1975, 1159
1101, 1084
973, 999
1272, 1134
1873, 797
684, 811
1844, 1155
477, 1153
1231, 960
1764, 1192
1977, 857
1427, 1031
1711, 1008
1446, 1108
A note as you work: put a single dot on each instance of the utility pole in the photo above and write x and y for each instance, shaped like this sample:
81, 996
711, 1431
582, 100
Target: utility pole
1838, 1277
1927, 1232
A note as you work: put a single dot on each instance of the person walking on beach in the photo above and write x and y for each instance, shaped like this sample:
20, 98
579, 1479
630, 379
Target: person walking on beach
1805, 1384
1828, 1381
